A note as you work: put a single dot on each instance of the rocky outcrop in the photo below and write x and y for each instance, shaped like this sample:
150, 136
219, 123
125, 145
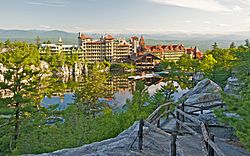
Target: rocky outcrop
205, 86
204, 93
232, 86
155, 142
198, 76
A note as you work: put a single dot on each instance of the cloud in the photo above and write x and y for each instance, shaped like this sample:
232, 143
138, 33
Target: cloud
206, 22
44, 26
245, 2
224, 25
52, 3
205, 5
188, 21
237, 8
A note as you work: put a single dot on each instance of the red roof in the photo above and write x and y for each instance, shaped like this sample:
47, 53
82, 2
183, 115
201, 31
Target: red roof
189, 50
134, 37
108, 37
195, 52
159, 48
83, 37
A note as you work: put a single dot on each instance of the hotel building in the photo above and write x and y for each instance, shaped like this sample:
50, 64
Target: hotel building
119, 50
106, 48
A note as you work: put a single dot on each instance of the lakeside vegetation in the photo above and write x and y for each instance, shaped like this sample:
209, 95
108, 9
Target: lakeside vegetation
25, 127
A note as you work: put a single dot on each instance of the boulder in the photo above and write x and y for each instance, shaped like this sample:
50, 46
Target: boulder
205, 86
155, 142
202, 98
198, 76
232, 86
208, 118
206, 93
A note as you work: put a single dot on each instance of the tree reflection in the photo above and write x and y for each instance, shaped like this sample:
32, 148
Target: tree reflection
93, 87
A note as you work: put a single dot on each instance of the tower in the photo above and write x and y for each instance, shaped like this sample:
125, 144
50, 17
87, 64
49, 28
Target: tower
142, 42
60, 41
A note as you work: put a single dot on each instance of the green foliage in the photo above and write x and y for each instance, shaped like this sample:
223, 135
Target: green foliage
239, 104
38, 41
215, 46
79, 128
28, 83
22, 62
179, 72
188, 64
93, 87
122, 66
217, 64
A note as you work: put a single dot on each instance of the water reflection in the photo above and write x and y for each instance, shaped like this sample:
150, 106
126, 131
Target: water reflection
120, 89
63, 100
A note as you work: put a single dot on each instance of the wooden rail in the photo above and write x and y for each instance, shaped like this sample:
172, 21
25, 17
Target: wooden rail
207, 137
209, 146
196, 103
156, 115
202, 108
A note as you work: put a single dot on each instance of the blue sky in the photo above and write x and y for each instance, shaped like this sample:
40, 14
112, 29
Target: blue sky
127, 16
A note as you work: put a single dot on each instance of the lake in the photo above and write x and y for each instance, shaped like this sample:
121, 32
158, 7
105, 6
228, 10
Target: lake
120, 90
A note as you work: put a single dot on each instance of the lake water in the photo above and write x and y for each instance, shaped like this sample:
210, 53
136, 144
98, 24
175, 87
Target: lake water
121, 89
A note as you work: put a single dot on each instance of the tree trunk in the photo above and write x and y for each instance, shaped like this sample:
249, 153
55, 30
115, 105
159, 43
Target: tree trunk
17, 124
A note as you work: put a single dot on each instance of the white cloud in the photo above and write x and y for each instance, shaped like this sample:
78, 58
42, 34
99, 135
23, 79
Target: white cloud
52, 3
188, 21
224, 25
206, 22
245, 2
44, 26
206, 5
237, 8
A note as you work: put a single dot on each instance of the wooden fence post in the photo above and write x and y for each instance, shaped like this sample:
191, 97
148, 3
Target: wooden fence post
140, 134
159, 123
173, 144
221, 106
210, 149
202, 108
178, 118
167, 109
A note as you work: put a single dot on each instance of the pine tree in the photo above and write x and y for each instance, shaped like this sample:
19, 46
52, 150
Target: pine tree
215, 46
22, 63
232, 45
38, 41
93, 87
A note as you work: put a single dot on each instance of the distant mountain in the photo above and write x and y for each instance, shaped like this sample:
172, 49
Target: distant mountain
202, 40
34, 33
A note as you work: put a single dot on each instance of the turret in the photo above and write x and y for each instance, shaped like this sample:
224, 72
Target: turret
142, 42
60, 41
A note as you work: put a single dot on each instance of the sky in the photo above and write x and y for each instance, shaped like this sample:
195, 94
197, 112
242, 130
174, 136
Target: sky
127, 16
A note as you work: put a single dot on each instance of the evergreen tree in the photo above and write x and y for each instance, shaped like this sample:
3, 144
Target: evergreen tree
93, 87
239, 105
22, 62
38, 41
247, 43
215, 46
232, 45
48, 42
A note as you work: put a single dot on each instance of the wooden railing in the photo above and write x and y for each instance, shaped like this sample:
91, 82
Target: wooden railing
203, 107
209, 146
159, 113
208, 138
